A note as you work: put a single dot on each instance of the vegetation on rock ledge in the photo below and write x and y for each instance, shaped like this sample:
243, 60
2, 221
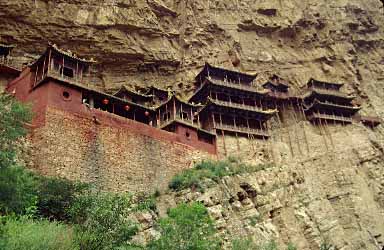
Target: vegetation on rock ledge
214, 170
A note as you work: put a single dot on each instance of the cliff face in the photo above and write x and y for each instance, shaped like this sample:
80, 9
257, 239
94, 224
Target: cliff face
336, 193
165, 42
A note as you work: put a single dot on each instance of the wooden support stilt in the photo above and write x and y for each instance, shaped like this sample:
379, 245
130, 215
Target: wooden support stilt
225, 148
279, 122
270, 144
289, 134
322, 133
237, 138
304, 133
328, 133
250, 138
293, 114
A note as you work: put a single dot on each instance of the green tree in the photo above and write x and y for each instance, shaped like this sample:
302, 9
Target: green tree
18, 191
56, 196
102, 221
187, 227
13, 117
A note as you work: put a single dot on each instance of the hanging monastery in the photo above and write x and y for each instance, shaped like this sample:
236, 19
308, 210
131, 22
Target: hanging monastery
137, 140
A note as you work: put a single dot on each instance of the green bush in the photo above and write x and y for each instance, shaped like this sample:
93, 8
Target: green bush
27, 234
188, 226
102, 222
291, 246
18, 191
145, 202
215, 170
55, 197
243, 244
248, 244
13, 116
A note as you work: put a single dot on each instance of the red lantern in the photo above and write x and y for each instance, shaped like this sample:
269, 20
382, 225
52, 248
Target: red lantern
127, 107
105, 101
146, 113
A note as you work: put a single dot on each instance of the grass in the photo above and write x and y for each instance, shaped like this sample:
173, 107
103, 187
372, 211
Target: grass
27, 234
214, 170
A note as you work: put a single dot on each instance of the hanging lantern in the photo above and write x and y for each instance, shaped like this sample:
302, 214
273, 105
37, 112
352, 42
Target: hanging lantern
127, 107
195, 114
105, 101
146, 113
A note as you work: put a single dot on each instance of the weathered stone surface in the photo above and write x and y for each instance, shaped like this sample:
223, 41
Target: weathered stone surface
322, 185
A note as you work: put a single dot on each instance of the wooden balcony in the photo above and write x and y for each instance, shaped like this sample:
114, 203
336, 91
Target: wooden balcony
327, 92
85, 81
242, 130
11, 63
318, 116
235, 85
318, 105
243, 107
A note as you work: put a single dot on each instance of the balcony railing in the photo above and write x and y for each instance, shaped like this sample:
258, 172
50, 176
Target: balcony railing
241, 129
85, 80
328, 92
335, 105
243, 106
238, 86
329, 117
11, 62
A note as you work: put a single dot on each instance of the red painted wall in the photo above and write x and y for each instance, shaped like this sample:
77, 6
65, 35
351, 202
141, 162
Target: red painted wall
51, 94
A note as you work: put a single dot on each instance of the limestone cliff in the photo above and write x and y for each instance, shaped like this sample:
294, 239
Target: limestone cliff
335, 192
165, 42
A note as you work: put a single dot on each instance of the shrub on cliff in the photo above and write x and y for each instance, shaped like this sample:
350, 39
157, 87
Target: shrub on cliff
188, 226
215, 170
18, 191
27, 234
102, 221
56, 196
13, 117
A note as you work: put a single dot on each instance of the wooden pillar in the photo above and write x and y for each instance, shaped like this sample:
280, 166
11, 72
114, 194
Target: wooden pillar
62, 72
181, 111
225, 148
174, 108
221, 121
166, 111
91, 102
77, 70
37, 72
49, 61
42, 72
192, 117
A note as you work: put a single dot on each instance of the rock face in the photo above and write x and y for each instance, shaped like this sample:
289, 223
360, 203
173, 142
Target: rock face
165, 42
336, 198
338, 194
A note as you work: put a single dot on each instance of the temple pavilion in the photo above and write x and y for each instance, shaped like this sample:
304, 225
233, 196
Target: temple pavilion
178, 116
63, 65
233, 105
324, 102
278, 86
64, 68
134, 96
8, 66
